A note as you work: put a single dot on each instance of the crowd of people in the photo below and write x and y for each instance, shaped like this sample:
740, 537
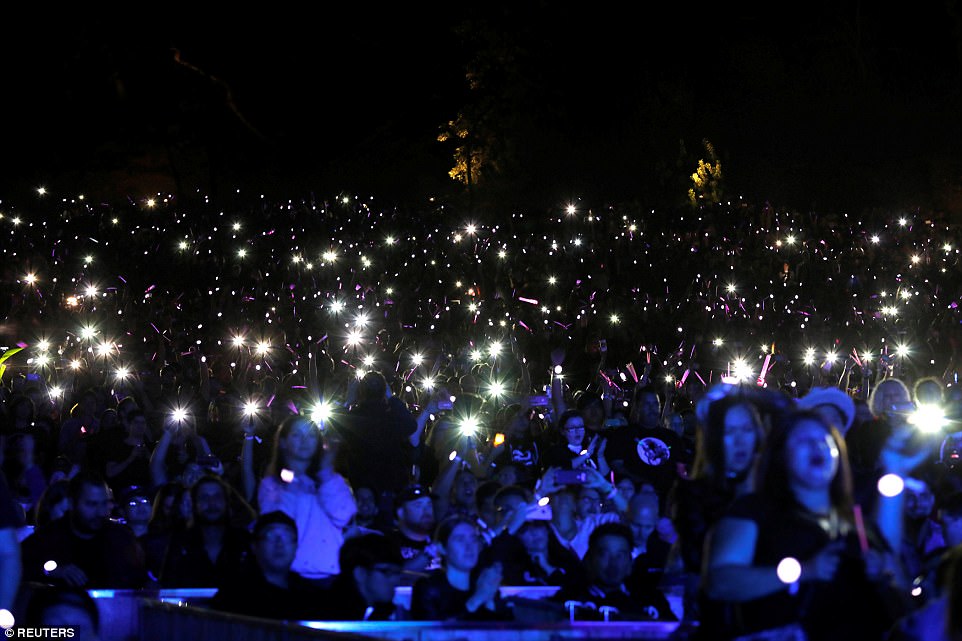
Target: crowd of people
196, 400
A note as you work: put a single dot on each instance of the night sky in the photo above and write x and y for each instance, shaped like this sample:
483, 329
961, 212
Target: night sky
835, 106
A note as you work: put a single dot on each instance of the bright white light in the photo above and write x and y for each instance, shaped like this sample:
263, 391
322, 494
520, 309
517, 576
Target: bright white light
337, 306
470, 425
741, 370
875, 239
790, 240
30, 278
238, 341
354, 337
470, 229
730, 288
789, 570
320, 413
43, 345
928, 418
361, 320
428, 383
557, 369
477, 355
329, 256
570, 210
87, 332
91, 290
6, 619
104, 348
179, 414
901, 350
552, 280
368, 360
287, 476
123, 373
389, 240
496, 388
56, 392
903, 222
262, 347
494, 348
717, 342
615, 319
50, 566
250, 408
891, 485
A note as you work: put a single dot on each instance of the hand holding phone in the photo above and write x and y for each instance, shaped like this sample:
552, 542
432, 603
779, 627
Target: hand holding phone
571, 477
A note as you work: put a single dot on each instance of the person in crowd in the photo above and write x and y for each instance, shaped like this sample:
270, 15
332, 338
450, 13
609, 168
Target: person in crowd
85, 548
371, 567
850, 584
835, 406
11, 520
125, 454
728, 444
576, 509
546, 561
266, 585
58, 606
650, 549
53, 504
460, 589
645, 450
414, 527
21, 466
608, 569
365, 519
376, 433
301, 482
135, 507
570, 449
208, 552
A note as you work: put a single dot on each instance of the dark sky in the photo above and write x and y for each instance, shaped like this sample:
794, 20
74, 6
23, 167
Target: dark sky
825, 105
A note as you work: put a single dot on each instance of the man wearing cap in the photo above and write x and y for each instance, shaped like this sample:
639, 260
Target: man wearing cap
267, 587
413, 526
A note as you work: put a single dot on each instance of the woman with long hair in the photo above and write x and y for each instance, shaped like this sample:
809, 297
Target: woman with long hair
301, 482
460, 589
797, 555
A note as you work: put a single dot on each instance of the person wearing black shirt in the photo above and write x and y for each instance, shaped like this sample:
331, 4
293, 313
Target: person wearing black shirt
364, 590
266, 587
608, 567
375, 432
85, 548
645, 450
209, 551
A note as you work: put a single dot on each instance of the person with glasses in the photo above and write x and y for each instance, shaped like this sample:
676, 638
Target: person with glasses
371, 567
571, 448
267, 587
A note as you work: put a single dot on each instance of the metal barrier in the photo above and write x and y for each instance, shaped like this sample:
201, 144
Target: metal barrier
128, 615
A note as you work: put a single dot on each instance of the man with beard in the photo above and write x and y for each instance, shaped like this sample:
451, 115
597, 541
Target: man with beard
209, 551
413, 528
645, 450
85, 548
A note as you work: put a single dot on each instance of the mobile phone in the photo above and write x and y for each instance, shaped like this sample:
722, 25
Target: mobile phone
446, 405
539, 401
613, 423
498, 439
571, 477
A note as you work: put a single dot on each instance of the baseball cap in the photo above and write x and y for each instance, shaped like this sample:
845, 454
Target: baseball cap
833, 397
412, 493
